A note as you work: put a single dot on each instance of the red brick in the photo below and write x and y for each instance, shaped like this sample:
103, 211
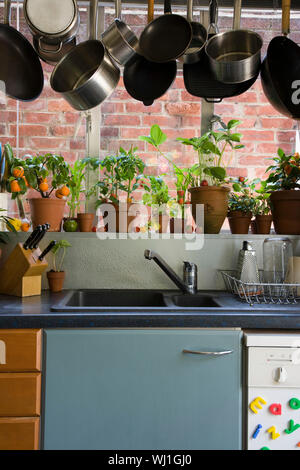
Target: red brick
258, 135
59, 105
134, 132
162, 121
48, 143
121, 120
184, 109
29, 129
36, 117
138, 107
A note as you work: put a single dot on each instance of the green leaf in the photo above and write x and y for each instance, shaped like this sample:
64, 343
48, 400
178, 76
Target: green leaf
233, 123
157, 135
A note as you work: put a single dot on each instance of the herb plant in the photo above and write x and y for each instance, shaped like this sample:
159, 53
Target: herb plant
58, 255
242, 197
285, 172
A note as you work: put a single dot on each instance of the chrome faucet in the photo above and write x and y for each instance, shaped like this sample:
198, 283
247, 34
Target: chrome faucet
189, 283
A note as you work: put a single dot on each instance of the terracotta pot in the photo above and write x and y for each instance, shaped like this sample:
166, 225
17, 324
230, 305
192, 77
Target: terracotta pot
85, 221
47, 210
121, 221
263, 224
285, 205
215, 201
56, 280
239, 221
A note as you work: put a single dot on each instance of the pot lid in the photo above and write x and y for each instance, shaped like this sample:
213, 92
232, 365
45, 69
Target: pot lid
50, 16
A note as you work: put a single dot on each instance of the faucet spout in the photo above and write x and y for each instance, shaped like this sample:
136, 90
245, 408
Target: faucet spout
186, 288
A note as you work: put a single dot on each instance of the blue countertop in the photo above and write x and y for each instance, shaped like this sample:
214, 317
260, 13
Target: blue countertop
35, 312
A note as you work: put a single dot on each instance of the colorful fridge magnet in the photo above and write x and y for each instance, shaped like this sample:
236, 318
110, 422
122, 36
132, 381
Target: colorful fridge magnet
292, 427
274, 434
294, 403
275, 409
256, 432
256, 403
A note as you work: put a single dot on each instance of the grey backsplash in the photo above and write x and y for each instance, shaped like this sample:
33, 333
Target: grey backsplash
119, 263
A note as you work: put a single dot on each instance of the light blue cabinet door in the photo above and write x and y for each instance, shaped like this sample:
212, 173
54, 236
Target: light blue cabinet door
136, 389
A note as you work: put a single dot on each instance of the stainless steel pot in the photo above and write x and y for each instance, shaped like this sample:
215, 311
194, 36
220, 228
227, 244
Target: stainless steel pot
235, 56
86, 76
54, 25
119, 39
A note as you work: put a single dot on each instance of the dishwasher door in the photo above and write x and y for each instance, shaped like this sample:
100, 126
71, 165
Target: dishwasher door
273, 398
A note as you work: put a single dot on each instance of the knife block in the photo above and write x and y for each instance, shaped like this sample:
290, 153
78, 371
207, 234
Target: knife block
21, 274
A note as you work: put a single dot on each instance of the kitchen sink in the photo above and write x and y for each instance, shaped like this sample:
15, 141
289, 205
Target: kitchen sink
194, 301
109, 300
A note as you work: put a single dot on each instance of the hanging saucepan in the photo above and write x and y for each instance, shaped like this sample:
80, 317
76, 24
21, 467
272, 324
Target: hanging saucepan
199, 79
280, 71
20, 67
54, 25
147, 81
199, 37
167, 37
86, 76
119, 39
235, 55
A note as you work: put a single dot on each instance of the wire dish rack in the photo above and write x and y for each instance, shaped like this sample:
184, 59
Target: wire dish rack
261, 292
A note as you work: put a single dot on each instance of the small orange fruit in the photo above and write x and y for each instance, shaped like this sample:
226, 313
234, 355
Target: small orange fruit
25, 181
15, 187
65, 190
58, 194
25, 227
18, 172
43, 187
129, 200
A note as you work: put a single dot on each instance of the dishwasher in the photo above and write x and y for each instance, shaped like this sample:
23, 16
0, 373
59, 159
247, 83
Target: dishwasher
272, 401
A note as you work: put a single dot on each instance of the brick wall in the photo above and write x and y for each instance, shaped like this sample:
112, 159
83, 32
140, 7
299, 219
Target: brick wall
48, 124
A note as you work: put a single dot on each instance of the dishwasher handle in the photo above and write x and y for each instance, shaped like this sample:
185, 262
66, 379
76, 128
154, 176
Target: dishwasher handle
207, 353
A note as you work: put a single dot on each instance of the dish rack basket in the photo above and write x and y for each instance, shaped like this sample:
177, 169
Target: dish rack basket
261, 292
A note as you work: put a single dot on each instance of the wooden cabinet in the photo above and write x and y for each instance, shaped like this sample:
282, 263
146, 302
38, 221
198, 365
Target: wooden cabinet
137, 389
20, 389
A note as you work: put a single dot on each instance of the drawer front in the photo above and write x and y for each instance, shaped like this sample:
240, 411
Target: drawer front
20, 394
19, 433
20, 350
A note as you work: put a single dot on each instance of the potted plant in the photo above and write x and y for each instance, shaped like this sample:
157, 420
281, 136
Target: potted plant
241, 204
183, 177
56, 275
44, 174
122, 172
161, 204
76, 184
262, 210
284, 183
209, 185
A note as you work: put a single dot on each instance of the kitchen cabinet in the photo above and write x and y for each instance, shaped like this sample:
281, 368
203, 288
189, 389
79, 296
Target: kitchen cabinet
136, 389
20, 388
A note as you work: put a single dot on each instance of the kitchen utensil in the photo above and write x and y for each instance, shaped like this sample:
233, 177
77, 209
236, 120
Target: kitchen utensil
277, 252
31, 237
280, 70
2, 170
39, 237
86, 76
247, 269
199, 37
119, 39
167, 37
20, 70
199, 79
21, 274
54, 25
146, 81
47, 249
234, 56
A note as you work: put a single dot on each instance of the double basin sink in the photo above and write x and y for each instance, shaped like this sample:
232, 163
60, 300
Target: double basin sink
132, 300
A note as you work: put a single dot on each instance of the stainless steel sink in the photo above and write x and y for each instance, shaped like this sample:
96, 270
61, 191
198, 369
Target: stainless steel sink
123, 300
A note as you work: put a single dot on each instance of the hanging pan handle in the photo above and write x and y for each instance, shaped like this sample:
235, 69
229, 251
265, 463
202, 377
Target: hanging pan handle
167, 7
6, 13
93, 18
285, 19
237, 14
150, 10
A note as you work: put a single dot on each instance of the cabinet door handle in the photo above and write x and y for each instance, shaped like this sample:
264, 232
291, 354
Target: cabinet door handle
207, 353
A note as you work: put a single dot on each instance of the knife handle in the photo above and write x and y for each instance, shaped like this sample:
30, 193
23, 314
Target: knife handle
31, 237
41, 235
47, 249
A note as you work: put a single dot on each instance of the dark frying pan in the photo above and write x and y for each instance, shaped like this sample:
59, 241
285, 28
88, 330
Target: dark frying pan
199, 79
146, 81
167, 37
20, 68
281, 70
